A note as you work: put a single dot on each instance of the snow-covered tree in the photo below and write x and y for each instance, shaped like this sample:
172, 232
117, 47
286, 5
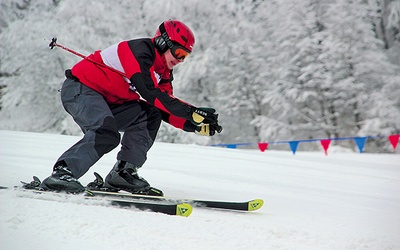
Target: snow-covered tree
275, 70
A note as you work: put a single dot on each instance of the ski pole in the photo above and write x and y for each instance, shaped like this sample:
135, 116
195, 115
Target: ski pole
54, 43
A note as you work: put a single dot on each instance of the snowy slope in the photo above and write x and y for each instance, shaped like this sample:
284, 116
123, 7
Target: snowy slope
312, 201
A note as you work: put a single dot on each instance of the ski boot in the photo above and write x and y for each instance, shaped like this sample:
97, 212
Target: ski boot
124, 177
62, 180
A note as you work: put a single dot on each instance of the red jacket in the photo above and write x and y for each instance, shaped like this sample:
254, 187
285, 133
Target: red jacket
146, 77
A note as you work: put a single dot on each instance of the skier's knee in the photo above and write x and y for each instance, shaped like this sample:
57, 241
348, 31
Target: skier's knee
107, 136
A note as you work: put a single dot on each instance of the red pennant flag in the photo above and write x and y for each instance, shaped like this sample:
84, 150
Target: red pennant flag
325, 145
263, 146
394, 140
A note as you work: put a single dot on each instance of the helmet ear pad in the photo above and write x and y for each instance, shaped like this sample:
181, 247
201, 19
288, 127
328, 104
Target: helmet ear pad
161, 45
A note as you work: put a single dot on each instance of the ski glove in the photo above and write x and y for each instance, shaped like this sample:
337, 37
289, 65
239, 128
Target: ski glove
208, 129
203, 116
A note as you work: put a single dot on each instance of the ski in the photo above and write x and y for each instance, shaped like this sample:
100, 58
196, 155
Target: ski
171, 208
96, 189
251, 205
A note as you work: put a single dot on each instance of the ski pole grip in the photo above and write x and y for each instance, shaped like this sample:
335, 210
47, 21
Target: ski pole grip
53, 42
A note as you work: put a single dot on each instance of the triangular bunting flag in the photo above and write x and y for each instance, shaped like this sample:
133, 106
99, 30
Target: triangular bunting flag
263, 146
293, 146
394, 140
360, 142
325, 145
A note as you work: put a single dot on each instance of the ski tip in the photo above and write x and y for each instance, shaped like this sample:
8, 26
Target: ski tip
255, 204
184, 209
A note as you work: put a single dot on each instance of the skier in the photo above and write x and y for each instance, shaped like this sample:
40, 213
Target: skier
103, 103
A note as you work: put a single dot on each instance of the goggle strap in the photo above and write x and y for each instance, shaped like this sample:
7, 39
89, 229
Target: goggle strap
165, 36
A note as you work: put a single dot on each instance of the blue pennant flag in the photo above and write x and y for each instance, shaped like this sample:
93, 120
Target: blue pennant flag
293, 146
360, 142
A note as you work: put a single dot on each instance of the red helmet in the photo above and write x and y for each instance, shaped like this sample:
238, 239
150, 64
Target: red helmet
173, 32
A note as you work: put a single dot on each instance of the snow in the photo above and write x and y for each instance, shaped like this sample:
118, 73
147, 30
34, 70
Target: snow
312, 201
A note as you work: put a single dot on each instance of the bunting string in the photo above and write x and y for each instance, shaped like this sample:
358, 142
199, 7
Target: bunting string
325, 143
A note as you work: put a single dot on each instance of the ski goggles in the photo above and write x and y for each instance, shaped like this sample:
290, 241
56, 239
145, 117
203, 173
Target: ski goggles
179, 52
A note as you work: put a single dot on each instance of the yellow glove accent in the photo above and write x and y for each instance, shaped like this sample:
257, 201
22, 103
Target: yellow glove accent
197, 118
204, 130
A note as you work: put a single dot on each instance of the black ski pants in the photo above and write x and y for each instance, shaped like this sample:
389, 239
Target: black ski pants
101, 123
